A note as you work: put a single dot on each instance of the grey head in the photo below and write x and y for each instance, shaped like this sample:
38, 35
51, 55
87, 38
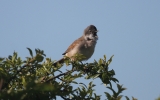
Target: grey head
90, 33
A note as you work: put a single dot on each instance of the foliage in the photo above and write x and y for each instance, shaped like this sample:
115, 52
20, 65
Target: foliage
158, 98
36, 79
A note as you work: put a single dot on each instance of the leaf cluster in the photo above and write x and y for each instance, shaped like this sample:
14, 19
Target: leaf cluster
36, 78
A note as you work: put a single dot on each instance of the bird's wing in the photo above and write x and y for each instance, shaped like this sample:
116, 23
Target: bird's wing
76, 42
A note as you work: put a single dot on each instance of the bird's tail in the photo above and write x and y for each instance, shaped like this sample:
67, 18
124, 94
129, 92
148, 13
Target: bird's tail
58, 62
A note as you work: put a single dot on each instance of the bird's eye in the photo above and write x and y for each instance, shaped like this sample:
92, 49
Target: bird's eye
95, 33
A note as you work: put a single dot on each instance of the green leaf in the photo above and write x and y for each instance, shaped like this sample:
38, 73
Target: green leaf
70, 88
3, 73
36, 51
108, 95
87, 77
134, 98
1, 59
100, 61
23, 81
104, 76
126, 98
110, 60
74, 82
119, 97
83, 84
114, 92
39, 58
44, 87
10, 57
96, 75
90, 84
114, 80
30, 51
105, 57
14, 56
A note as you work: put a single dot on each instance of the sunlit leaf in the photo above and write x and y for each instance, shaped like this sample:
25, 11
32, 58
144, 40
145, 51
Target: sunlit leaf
14, 56
110, 60
95, 76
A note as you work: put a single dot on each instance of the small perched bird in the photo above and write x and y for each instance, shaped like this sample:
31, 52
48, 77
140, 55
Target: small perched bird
84, 45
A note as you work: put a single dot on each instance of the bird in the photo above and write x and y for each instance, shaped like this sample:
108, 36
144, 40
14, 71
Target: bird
85, 45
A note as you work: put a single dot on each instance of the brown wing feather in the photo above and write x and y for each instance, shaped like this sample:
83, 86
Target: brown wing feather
73, 45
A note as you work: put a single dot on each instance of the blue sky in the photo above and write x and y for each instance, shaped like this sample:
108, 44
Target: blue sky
128, 29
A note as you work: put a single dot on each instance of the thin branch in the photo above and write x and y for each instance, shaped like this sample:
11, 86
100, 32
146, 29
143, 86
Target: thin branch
61, 79
65, 98
51, 78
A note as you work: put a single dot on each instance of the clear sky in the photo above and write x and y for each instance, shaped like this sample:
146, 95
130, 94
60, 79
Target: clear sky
128, 29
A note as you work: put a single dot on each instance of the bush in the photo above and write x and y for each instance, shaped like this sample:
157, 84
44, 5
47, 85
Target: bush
36, 79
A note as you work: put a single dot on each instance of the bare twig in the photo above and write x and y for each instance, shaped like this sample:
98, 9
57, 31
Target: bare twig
65, 98
51, 78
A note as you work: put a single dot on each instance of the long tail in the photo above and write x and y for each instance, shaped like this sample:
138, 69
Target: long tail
59, 61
